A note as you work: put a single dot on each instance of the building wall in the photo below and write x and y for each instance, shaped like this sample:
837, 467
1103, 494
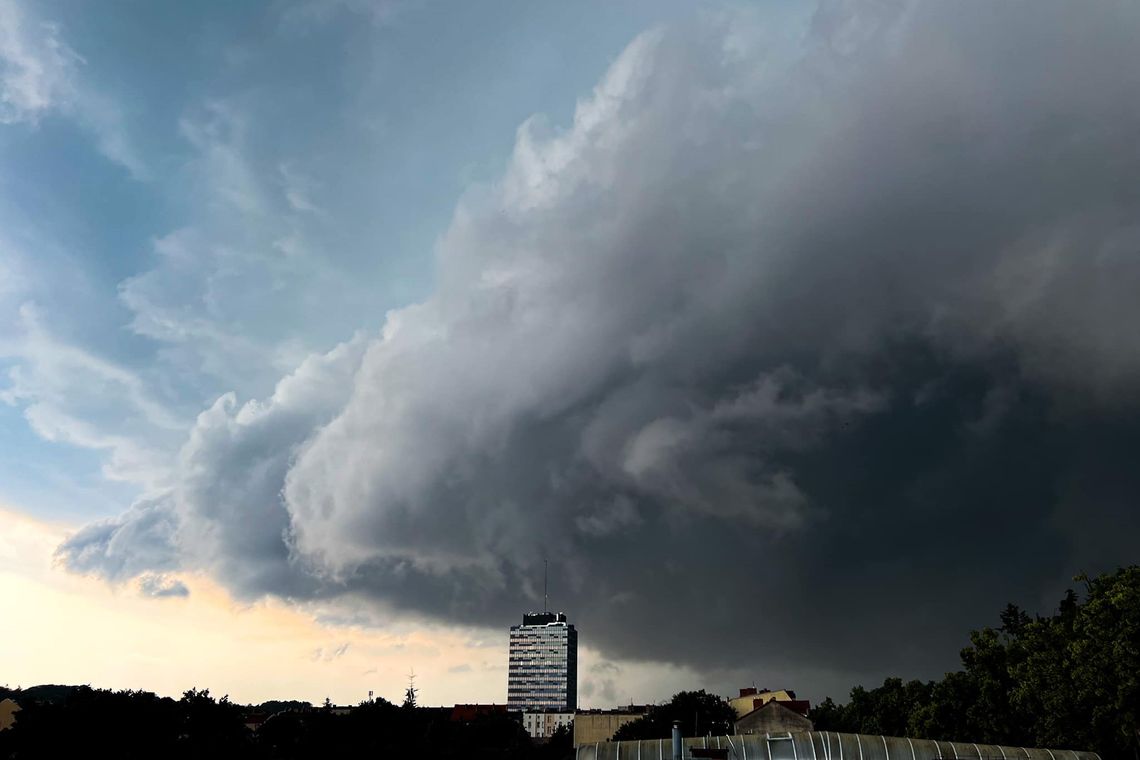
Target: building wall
542, 665
772, 718
599, 727
747, 703
542, 725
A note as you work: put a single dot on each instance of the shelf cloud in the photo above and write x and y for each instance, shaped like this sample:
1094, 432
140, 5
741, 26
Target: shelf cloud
803, 336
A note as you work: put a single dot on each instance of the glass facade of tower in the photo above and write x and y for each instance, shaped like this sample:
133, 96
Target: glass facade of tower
542, 669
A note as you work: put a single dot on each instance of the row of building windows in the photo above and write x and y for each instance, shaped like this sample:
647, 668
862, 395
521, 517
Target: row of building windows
543, 665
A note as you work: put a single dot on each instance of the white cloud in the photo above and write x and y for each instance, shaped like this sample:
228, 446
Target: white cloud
218, 131
224, 308
223, 510
187, 300
129, 459
242, 293
36, 66
298, 190
72, 396
102, 117
62, 370
41, 74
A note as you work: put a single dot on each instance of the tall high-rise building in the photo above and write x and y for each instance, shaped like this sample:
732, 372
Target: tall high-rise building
542, 670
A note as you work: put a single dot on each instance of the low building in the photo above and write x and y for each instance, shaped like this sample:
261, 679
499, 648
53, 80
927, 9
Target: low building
542, 725
750, 698
468, 713
592, 726
253, 720
776, 717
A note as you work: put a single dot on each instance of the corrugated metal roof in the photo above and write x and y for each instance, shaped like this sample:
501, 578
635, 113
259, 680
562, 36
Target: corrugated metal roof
824, 745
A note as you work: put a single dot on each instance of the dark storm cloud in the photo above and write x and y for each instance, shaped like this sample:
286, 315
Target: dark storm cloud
161, 587
138, 541
813, 339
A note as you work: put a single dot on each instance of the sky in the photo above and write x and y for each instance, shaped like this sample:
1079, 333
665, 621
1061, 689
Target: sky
798, 337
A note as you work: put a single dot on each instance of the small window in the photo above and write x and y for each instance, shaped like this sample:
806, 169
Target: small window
782, 747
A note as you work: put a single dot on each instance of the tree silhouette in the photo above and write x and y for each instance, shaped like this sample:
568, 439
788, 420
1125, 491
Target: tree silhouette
700, 713
1069, 680
410, 692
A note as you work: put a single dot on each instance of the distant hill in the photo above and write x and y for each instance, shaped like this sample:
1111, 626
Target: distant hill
274, 706
47, 693
58, 693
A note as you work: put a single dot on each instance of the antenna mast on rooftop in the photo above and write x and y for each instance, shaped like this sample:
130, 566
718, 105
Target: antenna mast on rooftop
545, 595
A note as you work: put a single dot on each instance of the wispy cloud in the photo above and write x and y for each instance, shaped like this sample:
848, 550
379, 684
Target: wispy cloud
36, 66
234, 295
41, 74
104, 120
328, 654
73, 396
66, 367
298, 190
160, 586
299, 16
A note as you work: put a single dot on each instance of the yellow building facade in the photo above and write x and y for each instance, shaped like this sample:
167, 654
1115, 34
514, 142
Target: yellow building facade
747, 701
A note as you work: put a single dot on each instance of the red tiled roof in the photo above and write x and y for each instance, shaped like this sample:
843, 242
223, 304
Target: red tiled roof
470, 712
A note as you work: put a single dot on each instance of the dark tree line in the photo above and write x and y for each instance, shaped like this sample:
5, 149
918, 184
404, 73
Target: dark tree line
84, 722
1068, 680
699, 714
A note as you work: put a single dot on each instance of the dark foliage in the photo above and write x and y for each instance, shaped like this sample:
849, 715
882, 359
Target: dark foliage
1069, 680
274, 706
699, 713
84, 722
79, 721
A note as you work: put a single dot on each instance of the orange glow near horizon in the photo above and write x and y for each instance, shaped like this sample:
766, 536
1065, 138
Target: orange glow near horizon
61, 628
57, 627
